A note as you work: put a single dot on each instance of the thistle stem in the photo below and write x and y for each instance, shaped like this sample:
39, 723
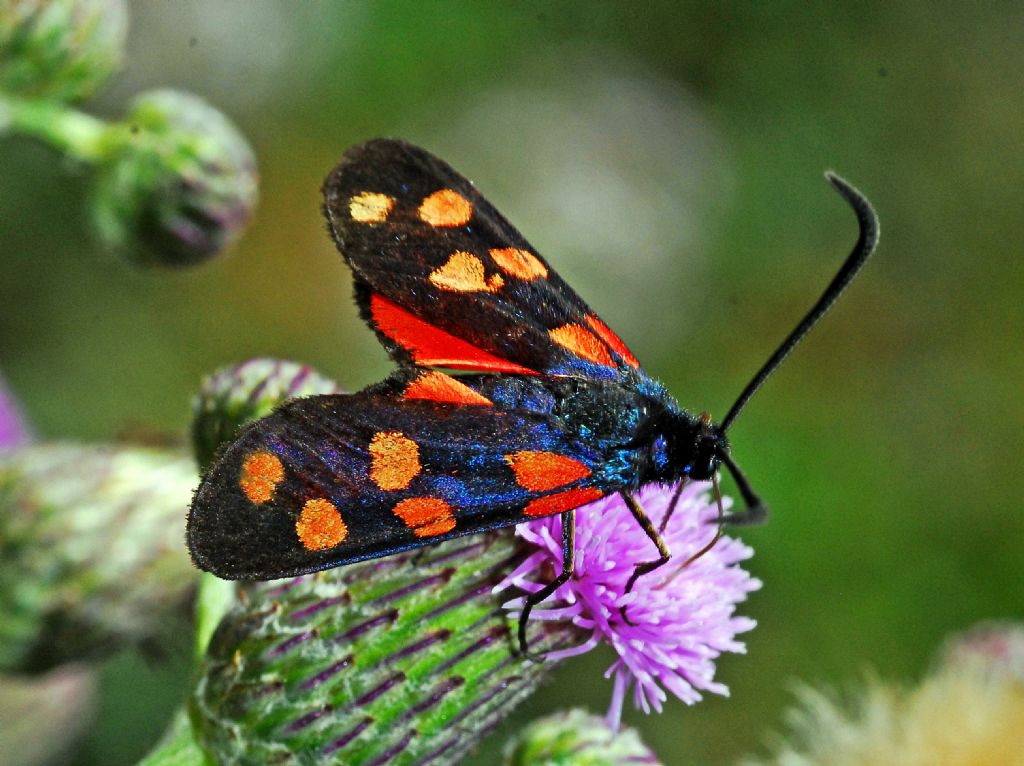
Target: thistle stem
69, 131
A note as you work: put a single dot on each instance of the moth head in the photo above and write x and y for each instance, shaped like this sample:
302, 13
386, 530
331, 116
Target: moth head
708, 449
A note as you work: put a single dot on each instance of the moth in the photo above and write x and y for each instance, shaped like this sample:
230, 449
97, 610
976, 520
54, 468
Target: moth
512, 399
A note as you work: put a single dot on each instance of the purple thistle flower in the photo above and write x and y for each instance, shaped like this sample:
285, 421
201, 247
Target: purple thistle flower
683, 617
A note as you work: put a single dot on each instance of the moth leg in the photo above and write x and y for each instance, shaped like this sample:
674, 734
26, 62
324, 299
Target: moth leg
720, 520
645, 567
671, 506
568, 567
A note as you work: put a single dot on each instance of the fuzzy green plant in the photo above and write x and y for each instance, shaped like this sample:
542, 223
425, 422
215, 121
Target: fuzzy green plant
90, 550
410, 657
407, 659
238, 394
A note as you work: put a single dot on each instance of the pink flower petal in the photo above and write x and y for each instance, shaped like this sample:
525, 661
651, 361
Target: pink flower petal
682, 618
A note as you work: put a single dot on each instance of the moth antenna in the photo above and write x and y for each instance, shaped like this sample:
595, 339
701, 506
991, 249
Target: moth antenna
866, 243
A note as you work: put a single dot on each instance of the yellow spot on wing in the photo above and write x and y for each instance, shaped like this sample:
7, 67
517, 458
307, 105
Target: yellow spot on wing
464, 273
521, 264
541, 471
582, 342
426, 516
395, 460
446, 208
370, 207
320, 526
262, 471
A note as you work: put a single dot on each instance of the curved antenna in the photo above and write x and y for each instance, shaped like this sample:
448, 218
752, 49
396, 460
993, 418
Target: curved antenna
866, 243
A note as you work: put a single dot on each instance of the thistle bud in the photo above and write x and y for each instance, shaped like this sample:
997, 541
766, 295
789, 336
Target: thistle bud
241, 393
577, 738
178, 184
90, 550
409, 657
62, 50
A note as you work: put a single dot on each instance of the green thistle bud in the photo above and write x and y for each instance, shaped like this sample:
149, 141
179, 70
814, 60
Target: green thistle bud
60, 49
91, 553
577, 738
239, 394
406, 659
178, 183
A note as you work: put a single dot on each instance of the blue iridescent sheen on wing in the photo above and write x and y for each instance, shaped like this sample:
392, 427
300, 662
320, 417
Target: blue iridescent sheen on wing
455, 456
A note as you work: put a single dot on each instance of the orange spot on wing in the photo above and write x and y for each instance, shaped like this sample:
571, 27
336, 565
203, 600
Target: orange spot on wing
521, 264
395, 460
580, 341
426, 516
540, 471
446, 208
430, 346
464, 273
261, 473
561, 501
320, 526
612, 340
370, 207
437, 387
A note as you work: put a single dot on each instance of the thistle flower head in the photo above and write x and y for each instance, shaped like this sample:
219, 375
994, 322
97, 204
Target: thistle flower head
179, 184
241, 393
90, 550
405, 659
681, 618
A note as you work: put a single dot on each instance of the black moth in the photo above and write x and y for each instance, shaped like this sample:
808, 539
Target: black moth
554, 412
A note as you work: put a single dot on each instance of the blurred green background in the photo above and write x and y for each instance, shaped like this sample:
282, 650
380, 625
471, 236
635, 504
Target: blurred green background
667, 159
